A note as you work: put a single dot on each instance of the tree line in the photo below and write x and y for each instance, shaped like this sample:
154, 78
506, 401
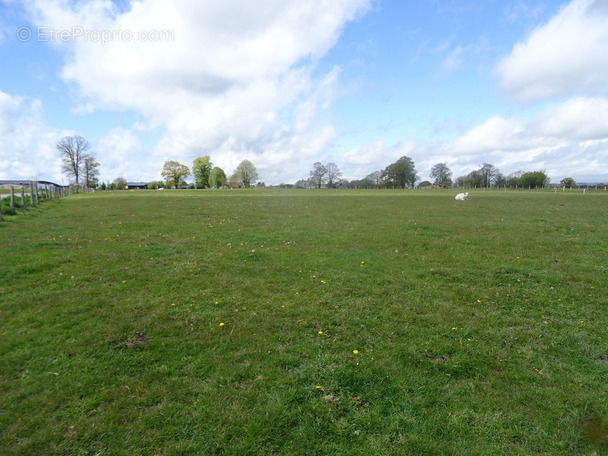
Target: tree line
81, 167
206, 175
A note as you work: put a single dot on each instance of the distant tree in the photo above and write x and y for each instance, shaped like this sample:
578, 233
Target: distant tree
201, 170
514, 179
317, 175
567, 182
217, 177
488, 173
534, 179
155, 184
500, 180
102, 186
425, 184
442, 175
235, 181
246, 173
362, 183
74, 151
401, 174
461, 181
302, 183
375, 178
475, 179
333, 174
175, 173
120, 183
90, 171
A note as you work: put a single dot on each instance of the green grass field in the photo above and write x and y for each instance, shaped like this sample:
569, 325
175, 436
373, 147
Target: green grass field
305, 323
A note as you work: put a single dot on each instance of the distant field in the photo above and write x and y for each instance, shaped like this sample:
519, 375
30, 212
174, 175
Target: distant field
268, 322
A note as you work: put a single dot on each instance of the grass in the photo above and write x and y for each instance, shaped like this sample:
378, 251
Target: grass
305, 322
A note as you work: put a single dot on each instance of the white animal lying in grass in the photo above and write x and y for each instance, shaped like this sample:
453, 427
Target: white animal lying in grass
462, 196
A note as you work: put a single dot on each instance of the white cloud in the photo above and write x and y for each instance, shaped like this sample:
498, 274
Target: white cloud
576, 119
569, 138
565, 57
364, 159
236, 81
27, 145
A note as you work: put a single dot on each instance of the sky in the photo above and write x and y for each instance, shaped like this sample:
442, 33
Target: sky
286, 83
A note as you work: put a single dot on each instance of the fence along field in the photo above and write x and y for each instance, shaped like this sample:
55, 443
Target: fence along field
36, 193
306, 322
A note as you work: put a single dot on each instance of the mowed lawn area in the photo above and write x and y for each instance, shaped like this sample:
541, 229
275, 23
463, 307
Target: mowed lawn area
305, 322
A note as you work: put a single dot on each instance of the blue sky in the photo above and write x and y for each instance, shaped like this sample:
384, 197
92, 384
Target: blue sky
286, 83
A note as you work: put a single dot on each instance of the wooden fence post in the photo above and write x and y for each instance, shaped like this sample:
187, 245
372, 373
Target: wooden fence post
12, 200
22, 198
37, 196
31, 194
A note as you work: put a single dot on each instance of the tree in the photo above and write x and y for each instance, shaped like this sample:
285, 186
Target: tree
90, 171
217, 177
488, 173
103, 186
461, 181
401, 174
514, 179
500, 180
534, 179
201, 169
74, 151
235, 181
317, 175
333, 174
120, 183
246, 173
155, 185
375, 178
475, 179
175, 173
567, 182
442, 175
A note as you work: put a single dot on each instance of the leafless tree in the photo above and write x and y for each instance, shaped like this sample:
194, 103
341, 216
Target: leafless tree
333, 174
74, 151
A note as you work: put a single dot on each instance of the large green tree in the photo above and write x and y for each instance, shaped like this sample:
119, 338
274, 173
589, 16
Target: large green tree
534, 179
217, 178
401, 174
175, 173
246, 173
442, 175
201, 170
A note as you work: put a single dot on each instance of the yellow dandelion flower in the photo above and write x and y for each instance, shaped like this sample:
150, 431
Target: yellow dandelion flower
221, 324
320, 332
355, 351
173, 304
317, 387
